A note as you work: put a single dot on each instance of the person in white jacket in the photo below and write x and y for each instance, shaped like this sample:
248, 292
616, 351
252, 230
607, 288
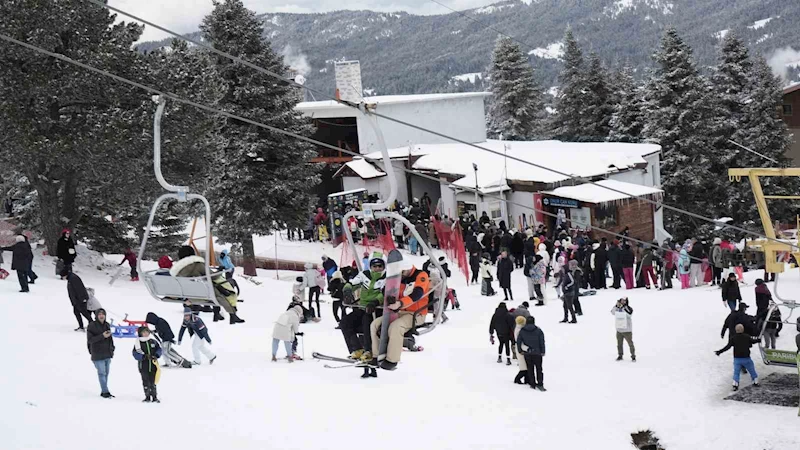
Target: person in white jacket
622, 312
285, 328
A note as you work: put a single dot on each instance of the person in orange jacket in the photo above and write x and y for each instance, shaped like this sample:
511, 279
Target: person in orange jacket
414, 290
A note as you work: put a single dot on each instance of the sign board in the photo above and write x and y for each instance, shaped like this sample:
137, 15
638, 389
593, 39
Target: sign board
348, 81
338, 205
559, 202
581, 218
780, 356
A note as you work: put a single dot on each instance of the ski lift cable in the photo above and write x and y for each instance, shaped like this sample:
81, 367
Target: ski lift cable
210, 109
373, 113
753, 151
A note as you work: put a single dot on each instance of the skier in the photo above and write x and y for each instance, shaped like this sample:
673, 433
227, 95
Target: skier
131, 258
615, 260
730, 291
571, 288
486, 276
622, 312
147, 351
21, 260
286, 327
741, 343
101, 347
411, 308
502, 323
763, 299
368, 286
522, 375
530, 344
78, 296
504, 269
164, 332
199, 333
626, 262
335, 287
65, 250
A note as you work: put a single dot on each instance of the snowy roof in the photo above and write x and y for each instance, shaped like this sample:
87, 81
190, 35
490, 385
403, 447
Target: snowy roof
791, 88
388, 100
597, 192
351, 191
363, 168
585, 159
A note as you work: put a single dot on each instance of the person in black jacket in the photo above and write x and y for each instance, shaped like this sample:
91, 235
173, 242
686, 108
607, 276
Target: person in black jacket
164, 332
504, 269
78, 296
741, 343
335, 286
571, 288
600, 261
147, 351
615, 260
530, 344
730, 291
739, 317
65, 250
626, 261
101, 347
21, 260
503, 324
518, 250
763, 298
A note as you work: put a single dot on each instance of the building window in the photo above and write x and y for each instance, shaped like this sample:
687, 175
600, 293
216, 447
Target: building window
606, 216
787, 110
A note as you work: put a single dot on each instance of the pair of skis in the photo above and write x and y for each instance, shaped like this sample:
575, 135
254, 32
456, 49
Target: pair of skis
343, 362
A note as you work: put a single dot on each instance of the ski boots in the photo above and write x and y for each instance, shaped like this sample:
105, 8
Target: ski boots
356, 354
366, 357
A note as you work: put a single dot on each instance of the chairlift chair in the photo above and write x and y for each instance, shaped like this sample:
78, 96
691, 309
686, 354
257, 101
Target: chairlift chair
775, 357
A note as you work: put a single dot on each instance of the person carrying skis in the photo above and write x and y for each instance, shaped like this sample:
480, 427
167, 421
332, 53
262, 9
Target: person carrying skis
131, 258
65, 250
164, 332
199, 332
368, 288
21, 260
730, 291
623, 322
530, 344
741, 343
147, 351
411, 308
286, 327
502, 323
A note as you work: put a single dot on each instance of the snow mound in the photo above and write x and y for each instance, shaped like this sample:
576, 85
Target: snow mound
552, 51
760, 23
471, 77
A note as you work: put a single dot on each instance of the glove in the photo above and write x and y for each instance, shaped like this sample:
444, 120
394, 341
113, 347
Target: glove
209, 341
716, 353
491, 338
370, 309
179, 342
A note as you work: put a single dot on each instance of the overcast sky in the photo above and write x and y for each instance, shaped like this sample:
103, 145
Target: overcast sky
185, 15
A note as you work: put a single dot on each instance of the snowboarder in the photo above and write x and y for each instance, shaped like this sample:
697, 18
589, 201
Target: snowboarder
199, 333
368, 286
486, 276
130, 257
78, 296
504, 269
164, 332
571, 289
522, 375
147, 351
741, 343
530, 344
502, 323
286, 327
101, 347
65, 250
21, 260
622, 312
730, 291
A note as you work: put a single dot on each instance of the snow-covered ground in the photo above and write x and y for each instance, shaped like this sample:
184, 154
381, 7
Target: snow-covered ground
451, 396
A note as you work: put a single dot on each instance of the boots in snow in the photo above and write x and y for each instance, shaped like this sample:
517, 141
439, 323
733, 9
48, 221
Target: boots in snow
540, 302
508, 361
274, 359
520, 378
211, 361
154, 392
633, 358
147, 394
619, 358
369, 372
235, 318
573, 321
541, 388
563, 321
499, 359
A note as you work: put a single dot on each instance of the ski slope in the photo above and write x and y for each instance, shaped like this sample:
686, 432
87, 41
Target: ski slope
451, 396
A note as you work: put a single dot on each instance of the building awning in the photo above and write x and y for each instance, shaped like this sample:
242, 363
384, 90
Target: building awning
599, 193
360, 168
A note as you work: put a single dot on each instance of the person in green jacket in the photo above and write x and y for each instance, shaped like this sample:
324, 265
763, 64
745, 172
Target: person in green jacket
368, 287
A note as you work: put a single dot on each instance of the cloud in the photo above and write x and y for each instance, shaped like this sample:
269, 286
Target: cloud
781, 58
296, 60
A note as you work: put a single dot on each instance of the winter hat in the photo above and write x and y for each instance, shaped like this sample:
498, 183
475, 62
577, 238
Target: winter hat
65, 231
298, 309
20, 238
165, 262
185, 251
529, 233
520, 320
531, 320
337, 275
573, 264
526, 304
100, 311
557, 244
140, 331
299, 279
615, 242
717, 241
187, 311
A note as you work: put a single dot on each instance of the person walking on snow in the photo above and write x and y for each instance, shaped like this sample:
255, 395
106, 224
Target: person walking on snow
571, 289
286, 327
741, 343
622, 312
538, 275
504, 269
131, 258
730, 291
312, 283
684, 266
530, 344
147, 351
502, 323
522, 375
101, 347
78, 296
21, 260
486, 276
696, 276
65, 249
626, 262
763, 299
715, 259
199, 332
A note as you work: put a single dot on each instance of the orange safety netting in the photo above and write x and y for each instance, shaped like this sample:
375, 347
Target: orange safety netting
451, 242
378, 237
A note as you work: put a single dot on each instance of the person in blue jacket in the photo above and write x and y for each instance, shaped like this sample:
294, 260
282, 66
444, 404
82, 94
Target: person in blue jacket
147, 351
227, 265
199, 332
329, 266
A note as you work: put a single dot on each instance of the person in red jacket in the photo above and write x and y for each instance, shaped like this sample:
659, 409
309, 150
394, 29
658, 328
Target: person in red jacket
131, 258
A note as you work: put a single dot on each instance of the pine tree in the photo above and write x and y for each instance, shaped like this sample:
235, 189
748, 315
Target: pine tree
627, 120
566, 122
516, 107
599, 102
677, 99
261, 179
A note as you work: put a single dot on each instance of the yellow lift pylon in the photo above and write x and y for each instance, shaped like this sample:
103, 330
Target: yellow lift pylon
769, 246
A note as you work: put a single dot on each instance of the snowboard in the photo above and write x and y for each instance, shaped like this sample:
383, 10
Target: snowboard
115, 276
394, 264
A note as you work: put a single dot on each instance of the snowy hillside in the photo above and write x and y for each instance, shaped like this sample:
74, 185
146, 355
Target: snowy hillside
451, 396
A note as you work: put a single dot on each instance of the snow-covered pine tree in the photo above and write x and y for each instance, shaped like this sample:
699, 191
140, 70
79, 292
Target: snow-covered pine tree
566, 123
261, 178
515, 111
628, 117
677, 117
598, 102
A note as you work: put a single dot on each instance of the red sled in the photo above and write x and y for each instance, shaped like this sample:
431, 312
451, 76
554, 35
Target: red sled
3, 274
